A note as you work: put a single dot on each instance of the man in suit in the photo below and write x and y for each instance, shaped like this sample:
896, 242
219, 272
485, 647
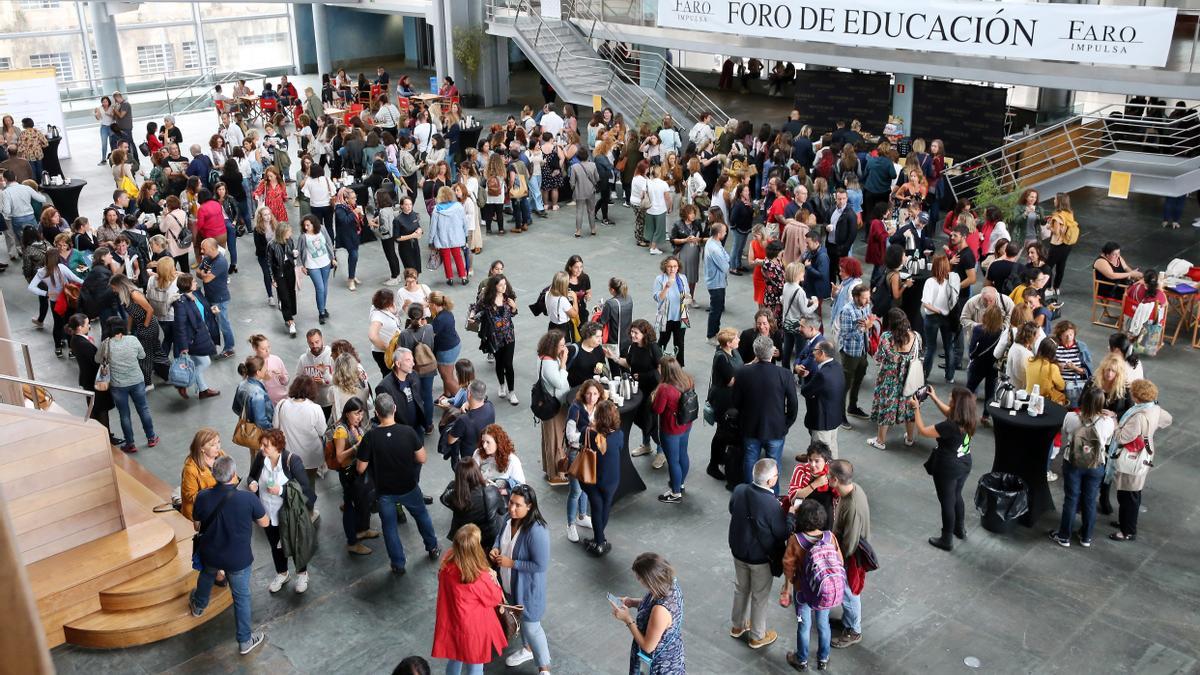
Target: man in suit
823, 391
817, 274
402, 385
806, 361
843, 226
766, 401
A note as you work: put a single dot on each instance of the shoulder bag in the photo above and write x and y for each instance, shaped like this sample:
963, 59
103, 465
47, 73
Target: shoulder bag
246, 433
914, 376
510, 619
103, 373
583, 469
198, 538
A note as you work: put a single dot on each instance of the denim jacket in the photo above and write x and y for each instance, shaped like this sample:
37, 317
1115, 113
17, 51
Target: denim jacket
253, 393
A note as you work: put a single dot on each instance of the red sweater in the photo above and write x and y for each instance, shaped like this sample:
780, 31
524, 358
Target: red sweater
666, 402
466, 627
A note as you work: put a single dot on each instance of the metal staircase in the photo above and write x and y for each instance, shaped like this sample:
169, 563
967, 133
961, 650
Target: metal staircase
563, 54
1162, 154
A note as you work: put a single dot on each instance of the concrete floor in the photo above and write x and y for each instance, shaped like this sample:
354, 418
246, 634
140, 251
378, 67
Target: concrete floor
1016, 603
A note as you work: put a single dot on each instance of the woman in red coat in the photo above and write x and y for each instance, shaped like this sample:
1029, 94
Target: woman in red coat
467, 630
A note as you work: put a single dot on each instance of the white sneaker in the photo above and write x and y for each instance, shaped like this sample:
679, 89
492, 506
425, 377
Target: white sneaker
572, 534
1051, 476
491, 358
584, 521
660, 461
503, 391
278, 582
394, 281
270, 302
291, 329
655, 251
302, 582
512, 398
643, 450
518, 657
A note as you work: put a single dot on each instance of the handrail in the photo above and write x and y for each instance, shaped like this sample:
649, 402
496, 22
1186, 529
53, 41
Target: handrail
1081, 140
687, 90
89, 395
25, 353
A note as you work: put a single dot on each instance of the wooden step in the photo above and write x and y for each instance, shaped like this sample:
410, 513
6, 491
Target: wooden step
138, 502
163, 584
108, 629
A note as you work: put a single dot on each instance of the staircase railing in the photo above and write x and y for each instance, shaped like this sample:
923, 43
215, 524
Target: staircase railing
205, 98
558, 54
670, 82
1161, 130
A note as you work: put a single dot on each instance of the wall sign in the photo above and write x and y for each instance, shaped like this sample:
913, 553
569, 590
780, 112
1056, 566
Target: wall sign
33, 93
1106, 34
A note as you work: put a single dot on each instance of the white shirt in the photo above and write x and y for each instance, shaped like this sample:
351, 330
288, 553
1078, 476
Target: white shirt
387, 116
669, 140
388, 326
1105, 428
233, 136
423, 132
701, 132
303, 425
695, 186
556, 308
940, 296
658, 190
319, 191
507, 543
492, 473
272, 476
552, 123
636, 188
405, 296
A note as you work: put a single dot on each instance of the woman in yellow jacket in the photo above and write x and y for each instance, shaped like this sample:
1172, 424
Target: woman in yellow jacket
1044, 371
197, 468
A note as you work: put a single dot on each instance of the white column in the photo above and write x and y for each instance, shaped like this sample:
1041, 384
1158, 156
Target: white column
321, 37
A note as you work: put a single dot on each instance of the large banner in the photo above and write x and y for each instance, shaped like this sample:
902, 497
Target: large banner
1129, 36
825, 96
33, 93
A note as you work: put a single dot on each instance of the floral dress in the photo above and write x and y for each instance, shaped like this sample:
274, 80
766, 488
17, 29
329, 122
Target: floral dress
500, 329
274, 199
552, 170
888, 406
773, 291
667, 658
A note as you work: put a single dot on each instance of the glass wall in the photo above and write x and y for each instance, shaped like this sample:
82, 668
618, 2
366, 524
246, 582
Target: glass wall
159, 41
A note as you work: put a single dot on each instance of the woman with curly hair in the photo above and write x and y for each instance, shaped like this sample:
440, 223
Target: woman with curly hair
497, 459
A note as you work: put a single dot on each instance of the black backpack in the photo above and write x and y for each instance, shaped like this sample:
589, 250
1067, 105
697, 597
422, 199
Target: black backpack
543, 404
689, 407
881, 297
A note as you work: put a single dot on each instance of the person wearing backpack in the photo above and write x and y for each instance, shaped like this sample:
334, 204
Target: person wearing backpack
1063, 232
1086, 435
675, 402
950, 462
813, 561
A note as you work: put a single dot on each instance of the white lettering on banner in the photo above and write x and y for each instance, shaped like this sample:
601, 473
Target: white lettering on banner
1106, 34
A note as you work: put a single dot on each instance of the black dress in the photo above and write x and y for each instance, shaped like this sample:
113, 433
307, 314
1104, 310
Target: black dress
147, 335
85, 357
409, 250
643, 366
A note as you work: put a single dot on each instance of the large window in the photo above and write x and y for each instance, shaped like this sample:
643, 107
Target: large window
155, 58
59, 60
5, 63
40, 4
261, 39
191, 54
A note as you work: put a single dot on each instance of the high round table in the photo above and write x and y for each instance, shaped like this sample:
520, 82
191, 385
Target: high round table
66, 197
1022, 444
631, 480
50, 163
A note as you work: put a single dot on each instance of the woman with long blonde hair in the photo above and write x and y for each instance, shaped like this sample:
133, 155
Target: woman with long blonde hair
264, 234
466, 629
162, 292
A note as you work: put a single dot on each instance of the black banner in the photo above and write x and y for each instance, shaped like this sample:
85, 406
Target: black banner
968, 118
825, 96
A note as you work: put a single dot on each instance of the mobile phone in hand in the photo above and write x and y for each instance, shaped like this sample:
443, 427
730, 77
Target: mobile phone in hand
614, 601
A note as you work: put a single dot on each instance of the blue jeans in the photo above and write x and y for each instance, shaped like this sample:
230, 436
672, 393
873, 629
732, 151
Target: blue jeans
774, 450
448, 357
137, 392
414, 502
805, 616
105, 135
1079, 484
675, 447
791, 345
1173, 208
202, 363
226, 326
466, 252
320, 281
535, 192
534, 638
577, 502
739, 247
351, 260
456, 668
37, 169
231, 241
239, 585
851, 610
716, 307
426, 382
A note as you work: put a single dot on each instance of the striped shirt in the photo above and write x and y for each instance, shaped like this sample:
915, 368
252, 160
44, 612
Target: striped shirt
1069, 356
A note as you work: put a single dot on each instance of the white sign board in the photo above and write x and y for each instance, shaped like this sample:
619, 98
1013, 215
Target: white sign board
552, 9
33, 93
1106, 34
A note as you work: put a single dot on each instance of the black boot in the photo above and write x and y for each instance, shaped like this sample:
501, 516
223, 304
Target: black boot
961, 533
943, 542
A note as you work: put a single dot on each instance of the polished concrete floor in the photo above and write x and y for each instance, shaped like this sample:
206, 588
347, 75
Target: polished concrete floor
1013, 603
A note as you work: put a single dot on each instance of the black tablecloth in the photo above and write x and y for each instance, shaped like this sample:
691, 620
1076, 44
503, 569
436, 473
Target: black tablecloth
910, 302
66, 197
50, 163
631, 480
1022, 444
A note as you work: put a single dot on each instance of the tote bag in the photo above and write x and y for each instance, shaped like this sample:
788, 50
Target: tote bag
914, 375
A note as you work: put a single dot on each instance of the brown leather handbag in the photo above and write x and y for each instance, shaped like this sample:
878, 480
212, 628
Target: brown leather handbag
583, 469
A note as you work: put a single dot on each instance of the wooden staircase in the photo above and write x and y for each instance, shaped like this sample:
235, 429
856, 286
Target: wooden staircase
129, 588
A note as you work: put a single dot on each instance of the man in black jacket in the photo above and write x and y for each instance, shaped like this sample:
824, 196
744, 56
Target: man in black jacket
843, 226
765, 397
402, 384
823, 392
757, 534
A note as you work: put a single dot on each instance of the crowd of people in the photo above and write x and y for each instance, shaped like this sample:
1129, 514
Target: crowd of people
153, 270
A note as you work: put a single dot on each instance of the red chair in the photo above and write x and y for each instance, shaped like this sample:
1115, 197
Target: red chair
376, 90
268, 105
220, 107
403, 104
354, 111
455, 99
